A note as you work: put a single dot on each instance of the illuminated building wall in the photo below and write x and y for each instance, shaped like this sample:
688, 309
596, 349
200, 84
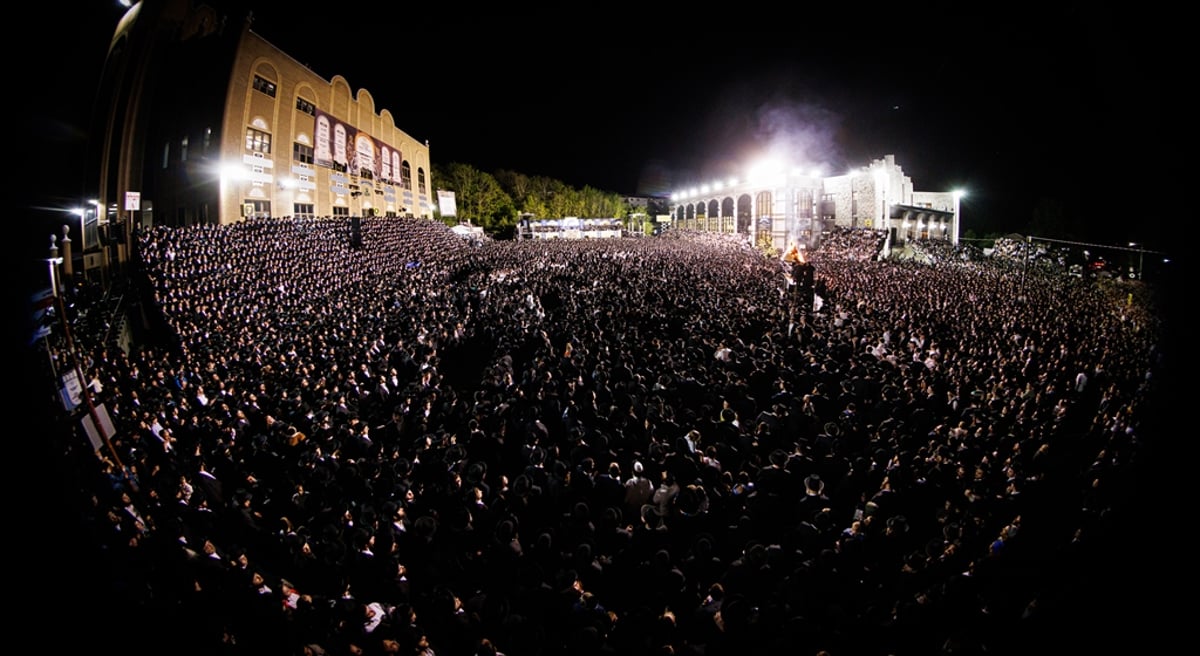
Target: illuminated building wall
210, 123
795, 207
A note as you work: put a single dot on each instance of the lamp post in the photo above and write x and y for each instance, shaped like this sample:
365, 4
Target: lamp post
68, 266
53, 261
1141, 252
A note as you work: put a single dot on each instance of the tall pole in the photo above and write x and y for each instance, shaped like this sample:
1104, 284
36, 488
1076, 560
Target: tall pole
68, 266
124, 218
54, 260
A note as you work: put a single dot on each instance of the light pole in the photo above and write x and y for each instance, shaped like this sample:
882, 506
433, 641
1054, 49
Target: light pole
1141, 252
53, 261
68, 266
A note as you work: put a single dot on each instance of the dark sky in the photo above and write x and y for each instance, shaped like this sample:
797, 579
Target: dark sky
1020, 108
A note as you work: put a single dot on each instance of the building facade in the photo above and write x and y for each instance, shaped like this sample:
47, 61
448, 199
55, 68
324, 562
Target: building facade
202, 120
797, 207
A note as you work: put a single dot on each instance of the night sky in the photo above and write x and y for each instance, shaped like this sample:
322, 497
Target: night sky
1023, 109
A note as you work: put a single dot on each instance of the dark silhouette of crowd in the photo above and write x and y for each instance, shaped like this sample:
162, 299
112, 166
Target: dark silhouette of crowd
422, 444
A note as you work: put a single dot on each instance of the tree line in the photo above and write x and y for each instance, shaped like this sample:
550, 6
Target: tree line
496, 201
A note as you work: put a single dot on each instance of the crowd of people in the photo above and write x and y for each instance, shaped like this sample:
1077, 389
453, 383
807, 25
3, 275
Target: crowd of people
417, 444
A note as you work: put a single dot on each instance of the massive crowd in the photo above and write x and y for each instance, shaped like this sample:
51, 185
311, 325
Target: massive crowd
427, 445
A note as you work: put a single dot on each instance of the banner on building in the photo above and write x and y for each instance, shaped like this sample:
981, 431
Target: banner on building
339, 145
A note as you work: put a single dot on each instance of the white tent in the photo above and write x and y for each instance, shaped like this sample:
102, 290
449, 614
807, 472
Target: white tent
464, 230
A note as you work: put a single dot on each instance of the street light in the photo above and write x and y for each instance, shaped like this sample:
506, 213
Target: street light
53, 260
1141, 252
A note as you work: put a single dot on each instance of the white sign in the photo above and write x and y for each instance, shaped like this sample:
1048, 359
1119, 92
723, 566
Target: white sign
133, 201
446, 203
71, 390
98, 433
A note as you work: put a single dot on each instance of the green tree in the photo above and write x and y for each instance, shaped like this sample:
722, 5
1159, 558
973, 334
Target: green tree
601, 204
537, 207
556, 197
496, 201
478, 197
518, 186
544, 187
502, 220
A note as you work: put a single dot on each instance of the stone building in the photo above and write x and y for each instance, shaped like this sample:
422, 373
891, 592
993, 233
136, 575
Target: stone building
797, 207
202, 120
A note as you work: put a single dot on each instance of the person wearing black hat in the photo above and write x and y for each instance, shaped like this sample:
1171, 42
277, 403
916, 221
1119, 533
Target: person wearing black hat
814, 499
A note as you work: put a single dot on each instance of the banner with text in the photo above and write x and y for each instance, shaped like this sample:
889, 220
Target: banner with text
341, 145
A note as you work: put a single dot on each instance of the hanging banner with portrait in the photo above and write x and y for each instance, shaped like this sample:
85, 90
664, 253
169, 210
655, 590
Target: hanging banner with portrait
340, 146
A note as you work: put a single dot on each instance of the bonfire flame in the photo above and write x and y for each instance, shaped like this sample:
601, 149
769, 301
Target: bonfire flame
794, 255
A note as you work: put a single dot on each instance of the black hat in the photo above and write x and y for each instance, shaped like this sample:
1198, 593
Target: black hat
778, 457
537, 455
814, 484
